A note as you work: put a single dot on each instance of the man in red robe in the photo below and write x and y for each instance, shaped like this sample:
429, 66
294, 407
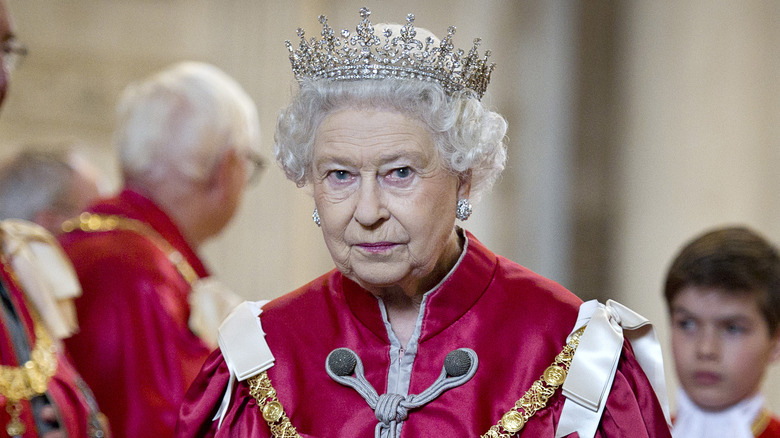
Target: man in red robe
41, 394
184, 139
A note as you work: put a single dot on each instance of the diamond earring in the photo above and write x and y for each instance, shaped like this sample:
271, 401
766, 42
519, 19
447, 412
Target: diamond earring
316, 217
463, 209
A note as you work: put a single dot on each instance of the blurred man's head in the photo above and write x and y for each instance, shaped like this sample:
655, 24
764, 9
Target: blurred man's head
47, 187
185, 138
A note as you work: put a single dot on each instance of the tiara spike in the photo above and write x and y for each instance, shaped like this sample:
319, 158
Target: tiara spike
365, 54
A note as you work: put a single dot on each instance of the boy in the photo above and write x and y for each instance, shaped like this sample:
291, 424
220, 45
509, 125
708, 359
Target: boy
723, 296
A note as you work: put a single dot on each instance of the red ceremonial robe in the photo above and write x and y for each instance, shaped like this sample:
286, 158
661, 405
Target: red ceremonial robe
64, 393
771, 429
135, 348
515, 320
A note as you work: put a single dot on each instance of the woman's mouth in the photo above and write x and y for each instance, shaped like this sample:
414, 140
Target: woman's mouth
376, 247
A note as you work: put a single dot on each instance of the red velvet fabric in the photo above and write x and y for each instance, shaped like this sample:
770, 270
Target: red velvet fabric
515, 320
134, 348
772, 429
63, 391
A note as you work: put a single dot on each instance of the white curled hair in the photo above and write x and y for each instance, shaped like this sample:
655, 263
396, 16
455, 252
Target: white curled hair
468, 136
179, 122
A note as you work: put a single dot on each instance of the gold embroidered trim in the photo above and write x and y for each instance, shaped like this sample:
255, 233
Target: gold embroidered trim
513, 421
538, 395
90, 222
31, 379
273, 413
760, 424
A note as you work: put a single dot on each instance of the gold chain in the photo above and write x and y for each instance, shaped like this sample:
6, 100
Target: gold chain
31, 379
535, 398
273, 413
90, 222
538, 395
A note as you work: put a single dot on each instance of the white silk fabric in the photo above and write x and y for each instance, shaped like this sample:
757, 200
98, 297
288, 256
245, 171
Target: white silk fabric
595, 362
242, 343
45, 274
733, 422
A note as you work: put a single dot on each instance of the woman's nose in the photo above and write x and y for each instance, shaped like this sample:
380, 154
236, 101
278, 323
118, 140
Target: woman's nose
371, 207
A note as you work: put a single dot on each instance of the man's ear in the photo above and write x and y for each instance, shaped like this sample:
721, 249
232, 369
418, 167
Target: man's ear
464, 185
224, 173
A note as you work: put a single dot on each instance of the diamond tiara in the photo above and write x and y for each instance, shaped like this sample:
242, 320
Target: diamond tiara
365, 55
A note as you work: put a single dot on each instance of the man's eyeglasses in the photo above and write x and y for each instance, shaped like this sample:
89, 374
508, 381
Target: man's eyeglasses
13, 52
257, 165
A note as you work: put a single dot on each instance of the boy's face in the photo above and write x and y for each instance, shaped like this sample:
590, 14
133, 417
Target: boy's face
721, 345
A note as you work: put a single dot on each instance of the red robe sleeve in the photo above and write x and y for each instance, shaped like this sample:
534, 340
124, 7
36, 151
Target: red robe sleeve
204, 398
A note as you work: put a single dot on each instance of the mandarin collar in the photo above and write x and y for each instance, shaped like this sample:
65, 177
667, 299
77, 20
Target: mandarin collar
444, 304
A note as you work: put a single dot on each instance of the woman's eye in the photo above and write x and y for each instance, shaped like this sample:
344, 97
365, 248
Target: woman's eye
402, 172
340, 175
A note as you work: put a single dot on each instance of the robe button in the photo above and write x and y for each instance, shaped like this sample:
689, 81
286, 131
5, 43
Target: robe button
554, 375
272, 412
512, 422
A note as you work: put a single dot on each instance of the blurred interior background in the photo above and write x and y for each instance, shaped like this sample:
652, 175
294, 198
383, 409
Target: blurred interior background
633, 125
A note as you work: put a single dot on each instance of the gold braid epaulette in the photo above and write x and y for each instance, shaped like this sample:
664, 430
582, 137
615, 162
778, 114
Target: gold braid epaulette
273, 413
538, 395
535, 398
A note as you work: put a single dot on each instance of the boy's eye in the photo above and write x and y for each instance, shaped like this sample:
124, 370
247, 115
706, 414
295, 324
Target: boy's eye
685, 323
735, 329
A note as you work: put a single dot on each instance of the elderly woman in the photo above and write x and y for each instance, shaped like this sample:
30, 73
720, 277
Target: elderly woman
420, 331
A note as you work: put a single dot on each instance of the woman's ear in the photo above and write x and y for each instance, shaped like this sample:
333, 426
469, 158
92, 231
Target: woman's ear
464, 185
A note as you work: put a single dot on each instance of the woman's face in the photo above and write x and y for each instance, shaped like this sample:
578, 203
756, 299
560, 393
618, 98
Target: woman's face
385, 200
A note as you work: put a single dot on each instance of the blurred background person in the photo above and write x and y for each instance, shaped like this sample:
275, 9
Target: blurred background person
186, 138
41, 393
47, 185
723, 295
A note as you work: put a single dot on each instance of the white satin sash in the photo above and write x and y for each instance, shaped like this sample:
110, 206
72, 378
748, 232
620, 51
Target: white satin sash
242, 342
595, 362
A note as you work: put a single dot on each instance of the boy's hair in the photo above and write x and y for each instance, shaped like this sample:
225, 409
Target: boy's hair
735, 259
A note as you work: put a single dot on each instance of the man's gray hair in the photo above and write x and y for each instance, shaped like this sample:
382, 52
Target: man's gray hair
179, 122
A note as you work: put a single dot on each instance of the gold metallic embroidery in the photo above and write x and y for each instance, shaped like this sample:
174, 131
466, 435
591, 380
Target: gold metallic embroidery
538, 395
91, 222
513, 421
273, 413
761, 422
29, 380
